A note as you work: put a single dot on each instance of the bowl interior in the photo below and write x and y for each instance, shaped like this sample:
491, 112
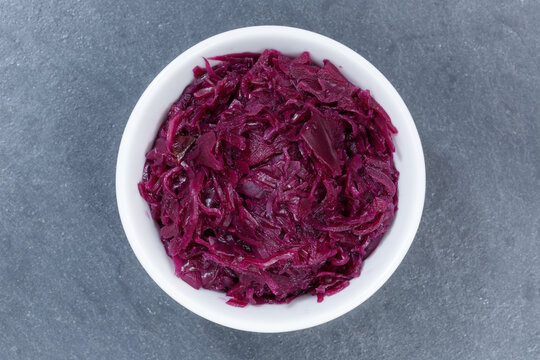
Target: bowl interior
143, 233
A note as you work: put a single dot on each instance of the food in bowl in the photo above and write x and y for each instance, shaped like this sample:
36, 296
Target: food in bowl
271, 177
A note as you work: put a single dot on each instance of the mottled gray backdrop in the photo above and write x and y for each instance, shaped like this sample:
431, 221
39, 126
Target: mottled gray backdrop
70, 74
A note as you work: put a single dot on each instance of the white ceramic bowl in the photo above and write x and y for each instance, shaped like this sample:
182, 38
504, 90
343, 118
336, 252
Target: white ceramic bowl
143, 234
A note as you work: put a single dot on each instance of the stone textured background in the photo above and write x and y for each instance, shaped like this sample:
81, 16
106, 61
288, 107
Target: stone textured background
70, 74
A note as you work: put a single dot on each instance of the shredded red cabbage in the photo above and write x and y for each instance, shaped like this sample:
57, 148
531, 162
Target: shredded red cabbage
271, 177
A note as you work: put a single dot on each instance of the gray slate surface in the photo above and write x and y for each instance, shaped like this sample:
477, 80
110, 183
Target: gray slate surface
70, 74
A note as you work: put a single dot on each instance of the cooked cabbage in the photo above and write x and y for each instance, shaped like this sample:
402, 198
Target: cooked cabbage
271, 177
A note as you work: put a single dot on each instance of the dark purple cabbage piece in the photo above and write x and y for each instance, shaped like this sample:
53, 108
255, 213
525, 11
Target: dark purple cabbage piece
271, 177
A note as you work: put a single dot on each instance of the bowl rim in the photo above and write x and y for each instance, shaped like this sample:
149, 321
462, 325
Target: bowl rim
121, 194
